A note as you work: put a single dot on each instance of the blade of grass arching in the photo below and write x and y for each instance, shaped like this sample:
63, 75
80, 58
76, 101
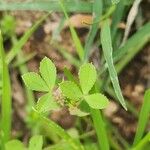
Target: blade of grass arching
6, 98
74, 143
97, 13
143, 118
20, 43
134, 44
107, 50
74, 35
142, 143
71, 6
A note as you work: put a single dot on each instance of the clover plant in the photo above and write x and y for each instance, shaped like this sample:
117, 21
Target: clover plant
68, 93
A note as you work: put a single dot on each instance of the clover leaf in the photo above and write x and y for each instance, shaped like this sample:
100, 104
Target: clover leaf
87, 77
97, 101
48, 72
71, 90
34, 82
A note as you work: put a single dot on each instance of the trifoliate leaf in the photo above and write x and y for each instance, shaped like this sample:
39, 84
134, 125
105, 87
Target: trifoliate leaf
46, 103
34, 82
14, 145
48, 72
71, 90
87, 77
97, 101
36, 143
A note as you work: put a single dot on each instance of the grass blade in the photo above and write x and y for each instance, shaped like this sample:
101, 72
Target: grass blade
143, 118
19, 44
107, 50
97, 12
6, 97
74, 35
52, 5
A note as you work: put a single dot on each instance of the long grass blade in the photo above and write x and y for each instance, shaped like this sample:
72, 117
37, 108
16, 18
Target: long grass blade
51, 5
6, 98
97, 12
107, 50
74, 35
143, 118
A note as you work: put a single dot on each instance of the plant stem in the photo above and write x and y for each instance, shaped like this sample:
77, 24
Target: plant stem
6, 98
100, 129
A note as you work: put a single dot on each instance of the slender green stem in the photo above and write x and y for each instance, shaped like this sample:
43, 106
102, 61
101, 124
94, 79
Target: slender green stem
6, 98
100, 129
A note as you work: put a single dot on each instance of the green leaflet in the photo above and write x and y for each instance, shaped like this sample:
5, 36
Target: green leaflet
48, 72
36, 143
14, 145
87, 77
34, 82
46, 103
71, 90
97, 101
107, 50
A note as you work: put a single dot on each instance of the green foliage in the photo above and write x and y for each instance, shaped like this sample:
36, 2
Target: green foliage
35, 82
87, 77
36, 143
74, 35
107, 49
71, 90
45, 83
46, 103
14, 145
6, 100
8, 25
97, 101
48, 72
